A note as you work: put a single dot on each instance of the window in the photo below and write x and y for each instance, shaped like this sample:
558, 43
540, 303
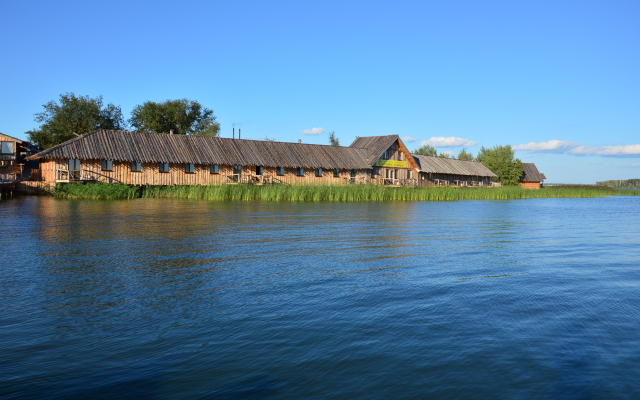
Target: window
353, 173
300, 171
189, 168
318, 172
374, 171
214, 168
136, 166
74, 165
385, 155
408, 174
163, 167
336, 173
259, 170
107, 165
280, 171
8, 148
400, 156
237, 169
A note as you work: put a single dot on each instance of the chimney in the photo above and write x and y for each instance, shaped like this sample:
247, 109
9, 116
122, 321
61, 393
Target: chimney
170, 131
299, 140
234, 133
239, 133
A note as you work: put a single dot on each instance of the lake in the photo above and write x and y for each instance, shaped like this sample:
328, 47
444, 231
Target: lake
176, 299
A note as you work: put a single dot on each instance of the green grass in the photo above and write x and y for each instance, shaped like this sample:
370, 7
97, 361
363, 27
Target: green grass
327, 193
98, 191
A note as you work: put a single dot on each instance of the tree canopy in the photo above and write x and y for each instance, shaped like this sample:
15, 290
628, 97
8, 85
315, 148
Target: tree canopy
426, 150
184, 117
333, 140
502, 162
463, 155
73, 114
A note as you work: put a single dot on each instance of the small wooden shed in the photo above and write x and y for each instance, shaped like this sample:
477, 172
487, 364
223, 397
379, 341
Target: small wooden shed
531, 177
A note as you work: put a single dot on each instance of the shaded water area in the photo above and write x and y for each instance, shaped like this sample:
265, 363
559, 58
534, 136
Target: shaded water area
175, 299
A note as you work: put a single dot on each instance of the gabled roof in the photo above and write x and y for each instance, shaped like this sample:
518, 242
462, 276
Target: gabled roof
530, 173
10, 138
162, 147
26, 144
452, 166
375, 146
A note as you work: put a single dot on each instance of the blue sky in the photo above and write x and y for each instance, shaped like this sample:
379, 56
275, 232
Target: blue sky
558, 80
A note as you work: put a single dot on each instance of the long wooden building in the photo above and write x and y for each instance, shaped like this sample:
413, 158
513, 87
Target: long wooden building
140, 158
451, 172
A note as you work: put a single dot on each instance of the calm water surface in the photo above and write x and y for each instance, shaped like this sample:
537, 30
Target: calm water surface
170, 299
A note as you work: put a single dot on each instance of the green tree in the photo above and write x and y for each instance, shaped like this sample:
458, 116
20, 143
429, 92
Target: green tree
443, 155
333, 140
73, 114
184, 117
463, 155
502, 162
426, 150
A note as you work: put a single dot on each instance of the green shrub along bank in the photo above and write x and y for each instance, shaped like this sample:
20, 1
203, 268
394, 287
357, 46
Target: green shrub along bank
326, 193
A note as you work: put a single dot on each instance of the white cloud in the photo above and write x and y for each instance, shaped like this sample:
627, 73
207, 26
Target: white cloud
575, 148
441, 141
410, 139
552, 146
613, 151
313, 131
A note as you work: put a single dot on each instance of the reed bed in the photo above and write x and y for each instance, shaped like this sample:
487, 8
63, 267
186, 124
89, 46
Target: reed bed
315, 193
369, 193
97, 191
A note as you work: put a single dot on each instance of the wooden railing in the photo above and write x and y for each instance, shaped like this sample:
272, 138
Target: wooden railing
250, 179
83, 175
8, 178
399, 182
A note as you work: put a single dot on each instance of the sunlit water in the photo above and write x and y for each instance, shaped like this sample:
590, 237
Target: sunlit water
169, 299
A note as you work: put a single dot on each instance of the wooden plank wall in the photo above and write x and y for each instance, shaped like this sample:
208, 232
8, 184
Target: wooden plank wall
150, 174
530, 185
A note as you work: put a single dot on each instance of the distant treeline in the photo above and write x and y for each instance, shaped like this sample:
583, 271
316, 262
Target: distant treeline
621, 184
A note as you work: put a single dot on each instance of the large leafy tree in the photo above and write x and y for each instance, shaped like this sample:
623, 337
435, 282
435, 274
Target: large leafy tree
426, 150
502, 162
184, 117
71, 115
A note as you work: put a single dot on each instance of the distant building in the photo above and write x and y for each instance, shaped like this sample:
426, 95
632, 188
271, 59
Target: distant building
531, 178
451, 172
13, 152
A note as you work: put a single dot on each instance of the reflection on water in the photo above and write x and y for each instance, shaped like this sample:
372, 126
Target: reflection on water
191, 299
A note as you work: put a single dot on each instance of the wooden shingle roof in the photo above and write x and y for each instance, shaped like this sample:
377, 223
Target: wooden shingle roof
162, 147
530, 173
374, 145
452, 166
